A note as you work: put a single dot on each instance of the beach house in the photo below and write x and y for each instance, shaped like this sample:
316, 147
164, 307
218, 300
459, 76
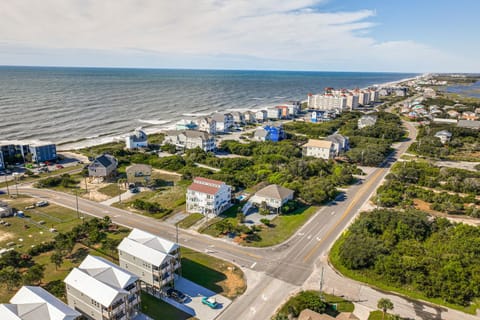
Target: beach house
206, 124
101, 290
269, 133
261, 115
153, 259
322, 149
207, 196
190, 139
35, 303
137, 139
273, 196
340, 143
223, 121
103, 167
238, 117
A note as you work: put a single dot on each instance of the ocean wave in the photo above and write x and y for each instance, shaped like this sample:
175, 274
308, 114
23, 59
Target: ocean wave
154, 122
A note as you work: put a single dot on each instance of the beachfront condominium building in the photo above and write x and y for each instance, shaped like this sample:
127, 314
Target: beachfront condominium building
153, 259
138, 139
207, 196
101, 290
42, 152
327, 102
190, 139
35, 303
322, 149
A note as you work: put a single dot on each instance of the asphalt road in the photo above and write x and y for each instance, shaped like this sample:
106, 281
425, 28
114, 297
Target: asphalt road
272, 273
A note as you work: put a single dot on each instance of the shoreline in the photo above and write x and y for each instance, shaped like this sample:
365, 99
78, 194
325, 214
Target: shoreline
160, 126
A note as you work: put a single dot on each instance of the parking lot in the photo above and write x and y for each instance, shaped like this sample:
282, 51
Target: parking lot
193, 304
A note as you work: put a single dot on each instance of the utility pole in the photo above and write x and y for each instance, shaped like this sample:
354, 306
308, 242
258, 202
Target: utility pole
16, 185
86, 188
177, 233
6, 181
76, 201
322, 298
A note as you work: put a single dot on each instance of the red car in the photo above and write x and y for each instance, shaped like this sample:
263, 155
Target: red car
59, 166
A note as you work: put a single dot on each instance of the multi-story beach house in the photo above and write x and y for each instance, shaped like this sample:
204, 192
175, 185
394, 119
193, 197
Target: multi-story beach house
208, 196
224, 121
206, 124
153, 259
269, 133
137, 139
190, 139
101, 290
341, 143
274, 113
319, 149
261, 115
238, 117
35, 303
42, 152
250, 117
104, 167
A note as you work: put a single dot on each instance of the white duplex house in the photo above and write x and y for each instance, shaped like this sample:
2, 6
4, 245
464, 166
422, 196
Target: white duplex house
208, 196
101, 290
319, 149
35, 303
190, 139
153, 259
224, 121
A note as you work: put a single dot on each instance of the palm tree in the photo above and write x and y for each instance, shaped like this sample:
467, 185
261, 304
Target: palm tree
384, 304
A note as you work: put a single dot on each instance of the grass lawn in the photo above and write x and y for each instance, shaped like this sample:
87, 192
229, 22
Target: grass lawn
212, 273
334, 304
285, 227
378, 315
25, 178
111, 190
190, 220
29, 228
171, 198
157, 309
375, 282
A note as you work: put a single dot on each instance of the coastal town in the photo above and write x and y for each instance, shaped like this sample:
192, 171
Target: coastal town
209, 218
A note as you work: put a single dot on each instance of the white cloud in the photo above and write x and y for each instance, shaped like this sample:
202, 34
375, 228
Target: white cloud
291, 33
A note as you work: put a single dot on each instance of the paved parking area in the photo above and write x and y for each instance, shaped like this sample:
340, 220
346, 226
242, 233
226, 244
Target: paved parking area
193, 305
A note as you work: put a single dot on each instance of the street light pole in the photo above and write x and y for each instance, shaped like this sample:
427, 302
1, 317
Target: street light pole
16, 185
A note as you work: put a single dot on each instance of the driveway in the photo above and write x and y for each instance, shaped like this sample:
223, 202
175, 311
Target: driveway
193, 304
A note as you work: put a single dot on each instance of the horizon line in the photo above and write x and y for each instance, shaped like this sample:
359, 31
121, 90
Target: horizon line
215, 69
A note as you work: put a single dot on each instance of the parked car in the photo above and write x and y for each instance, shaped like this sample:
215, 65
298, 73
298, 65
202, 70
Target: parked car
42, 203
59, 166
211, 302
134, 190
176, 295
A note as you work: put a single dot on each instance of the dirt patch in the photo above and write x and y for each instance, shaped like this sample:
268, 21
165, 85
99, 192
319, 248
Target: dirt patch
425, 206
93, 193
4, 236
235, 284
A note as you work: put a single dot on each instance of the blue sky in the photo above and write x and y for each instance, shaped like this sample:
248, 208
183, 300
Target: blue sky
331, 35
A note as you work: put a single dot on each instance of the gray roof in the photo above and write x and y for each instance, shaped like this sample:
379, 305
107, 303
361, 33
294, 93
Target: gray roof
220, 117
197, 134
105, 160
469, 124
443, 133
274, 191
337, 138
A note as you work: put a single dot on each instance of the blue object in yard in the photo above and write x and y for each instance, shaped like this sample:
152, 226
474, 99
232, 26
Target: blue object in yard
20, 214
211, 302
275, 134
241, 197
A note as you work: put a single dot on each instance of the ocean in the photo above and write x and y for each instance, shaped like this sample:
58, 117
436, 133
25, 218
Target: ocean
75, 107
